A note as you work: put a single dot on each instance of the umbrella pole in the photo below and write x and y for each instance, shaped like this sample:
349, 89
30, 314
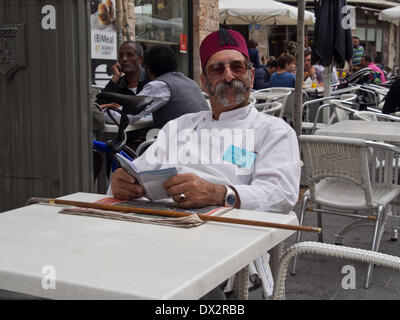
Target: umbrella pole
327, 73
298, 92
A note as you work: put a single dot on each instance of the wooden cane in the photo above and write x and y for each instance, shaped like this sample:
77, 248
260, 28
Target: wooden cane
175, 214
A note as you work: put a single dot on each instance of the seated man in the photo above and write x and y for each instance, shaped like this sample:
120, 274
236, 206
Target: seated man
263, 75
128, 75
263, 176
173, 93
284, 77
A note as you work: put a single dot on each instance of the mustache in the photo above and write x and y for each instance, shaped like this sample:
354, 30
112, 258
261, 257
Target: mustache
223, 86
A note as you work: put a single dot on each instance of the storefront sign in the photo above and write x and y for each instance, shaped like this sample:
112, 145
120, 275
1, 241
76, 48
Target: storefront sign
103, 40
183, 43
104, 45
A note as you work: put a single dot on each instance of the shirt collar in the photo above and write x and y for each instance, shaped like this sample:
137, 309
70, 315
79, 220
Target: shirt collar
239, 113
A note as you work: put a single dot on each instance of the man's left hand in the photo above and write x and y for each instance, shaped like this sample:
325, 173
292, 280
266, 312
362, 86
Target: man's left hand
198, 192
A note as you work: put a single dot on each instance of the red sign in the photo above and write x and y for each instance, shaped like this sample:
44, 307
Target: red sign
183, 43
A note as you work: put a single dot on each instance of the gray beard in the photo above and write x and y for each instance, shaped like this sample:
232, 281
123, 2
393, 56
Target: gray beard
222, 87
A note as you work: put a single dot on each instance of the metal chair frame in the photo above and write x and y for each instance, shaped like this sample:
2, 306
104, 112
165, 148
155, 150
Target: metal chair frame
347, 177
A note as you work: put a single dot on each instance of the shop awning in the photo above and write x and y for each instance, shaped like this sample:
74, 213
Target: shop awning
260, 12
390, 15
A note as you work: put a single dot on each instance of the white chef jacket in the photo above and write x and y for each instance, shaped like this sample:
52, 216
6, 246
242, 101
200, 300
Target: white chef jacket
272, 182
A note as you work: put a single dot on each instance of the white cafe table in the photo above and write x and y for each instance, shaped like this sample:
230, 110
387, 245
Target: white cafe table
96, 258
368, 130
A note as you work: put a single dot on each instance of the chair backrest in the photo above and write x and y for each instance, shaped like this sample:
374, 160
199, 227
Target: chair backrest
343, 158
340, 111
272, 94
348, 97
273, 108
151, 136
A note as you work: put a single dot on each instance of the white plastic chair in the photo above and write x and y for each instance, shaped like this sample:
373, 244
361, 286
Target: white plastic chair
348, 253
309, 126
151, 136
272, 95
338, 110
343, 180
272, 108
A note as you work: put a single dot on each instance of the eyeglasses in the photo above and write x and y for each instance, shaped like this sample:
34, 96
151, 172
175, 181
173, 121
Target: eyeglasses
238, 67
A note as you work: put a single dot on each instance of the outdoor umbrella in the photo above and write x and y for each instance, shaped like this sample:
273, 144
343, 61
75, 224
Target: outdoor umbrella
391, 15
332, 39
332, 33
260, 12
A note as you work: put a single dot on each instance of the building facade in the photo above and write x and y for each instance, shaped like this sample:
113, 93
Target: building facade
380, 39
180, 24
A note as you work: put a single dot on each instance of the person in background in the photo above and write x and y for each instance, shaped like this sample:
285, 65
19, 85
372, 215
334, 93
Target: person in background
309, 70
378, 61
319, 73
253, 53
264, 60
263, 74
284, 77
379, 76
173, 93
129, 77
358, 52
306, 45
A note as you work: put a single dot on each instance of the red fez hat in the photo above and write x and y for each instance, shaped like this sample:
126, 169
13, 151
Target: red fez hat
223, 39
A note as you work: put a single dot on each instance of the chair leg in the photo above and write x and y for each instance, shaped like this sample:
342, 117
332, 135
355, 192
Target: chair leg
319, 219
375, 243
298, 238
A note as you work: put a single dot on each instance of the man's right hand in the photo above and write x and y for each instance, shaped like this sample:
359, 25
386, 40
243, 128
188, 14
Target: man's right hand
124, 186
117, 73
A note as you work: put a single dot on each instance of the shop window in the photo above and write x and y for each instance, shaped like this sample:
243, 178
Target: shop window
379, 40
160, 21
165, 22
370, 34
361, 33
360, 18
371, 20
